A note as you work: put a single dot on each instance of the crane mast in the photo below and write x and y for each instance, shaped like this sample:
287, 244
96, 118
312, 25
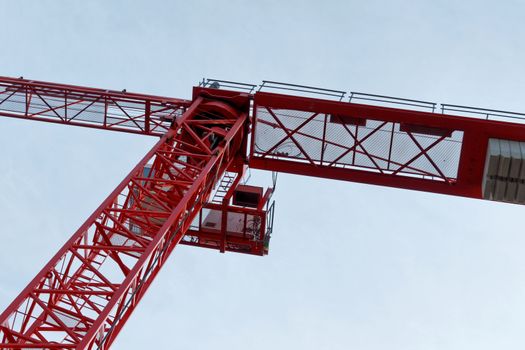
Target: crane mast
84, 295
187, 189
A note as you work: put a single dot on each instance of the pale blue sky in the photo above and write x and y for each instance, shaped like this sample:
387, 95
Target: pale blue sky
350, 266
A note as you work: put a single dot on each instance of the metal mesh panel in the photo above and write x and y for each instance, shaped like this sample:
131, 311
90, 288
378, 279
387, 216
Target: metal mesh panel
88, 111
66, 106
377, 146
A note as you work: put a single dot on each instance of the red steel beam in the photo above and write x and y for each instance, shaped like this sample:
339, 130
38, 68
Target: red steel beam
397, 148
87, 291
88, 107
84, 295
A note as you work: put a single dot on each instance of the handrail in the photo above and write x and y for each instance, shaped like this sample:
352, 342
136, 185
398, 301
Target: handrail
372, 99
269, 84
392, 100
486, 112
218, 83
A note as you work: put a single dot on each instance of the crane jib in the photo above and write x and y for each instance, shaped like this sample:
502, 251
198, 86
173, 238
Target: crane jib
386, 146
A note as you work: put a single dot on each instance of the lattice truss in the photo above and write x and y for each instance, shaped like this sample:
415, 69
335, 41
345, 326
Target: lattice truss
323, 139
74, 105
84, 295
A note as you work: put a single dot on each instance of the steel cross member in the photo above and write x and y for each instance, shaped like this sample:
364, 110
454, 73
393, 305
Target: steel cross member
84, 295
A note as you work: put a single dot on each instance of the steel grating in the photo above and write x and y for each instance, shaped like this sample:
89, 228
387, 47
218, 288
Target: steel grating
119, 111
372, 145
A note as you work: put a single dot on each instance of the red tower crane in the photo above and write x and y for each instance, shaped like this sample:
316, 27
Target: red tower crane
187, 189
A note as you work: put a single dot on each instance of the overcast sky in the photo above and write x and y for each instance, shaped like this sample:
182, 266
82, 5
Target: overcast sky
351, 266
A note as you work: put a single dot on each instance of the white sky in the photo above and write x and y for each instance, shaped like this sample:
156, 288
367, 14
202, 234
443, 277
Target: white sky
350, 266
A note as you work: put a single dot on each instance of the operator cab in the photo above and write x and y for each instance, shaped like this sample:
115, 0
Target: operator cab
239, 223
236, 217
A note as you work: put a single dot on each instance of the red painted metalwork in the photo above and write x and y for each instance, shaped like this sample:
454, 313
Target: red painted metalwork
181, 191
374, 145
232, 229
84, 295
88, 107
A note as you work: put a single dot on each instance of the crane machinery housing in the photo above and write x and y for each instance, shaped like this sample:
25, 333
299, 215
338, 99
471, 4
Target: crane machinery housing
188, 188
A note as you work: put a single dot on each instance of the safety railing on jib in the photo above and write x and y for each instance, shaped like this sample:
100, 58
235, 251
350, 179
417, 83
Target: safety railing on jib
366, 98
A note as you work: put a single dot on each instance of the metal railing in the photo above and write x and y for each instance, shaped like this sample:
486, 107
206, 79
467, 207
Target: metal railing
482, 113
227, 84
390, 100
370, 99
269, 219
270, 86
